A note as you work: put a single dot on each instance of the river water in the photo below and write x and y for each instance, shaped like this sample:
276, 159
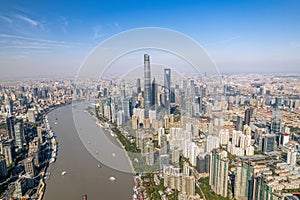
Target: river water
83, 175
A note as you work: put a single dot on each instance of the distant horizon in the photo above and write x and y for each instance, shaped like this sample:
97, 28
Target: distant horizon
56, 77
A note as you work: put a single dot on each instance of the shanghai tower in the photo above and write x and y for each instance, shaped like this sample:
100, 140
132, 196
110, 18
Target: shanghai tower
147, 84
167, 89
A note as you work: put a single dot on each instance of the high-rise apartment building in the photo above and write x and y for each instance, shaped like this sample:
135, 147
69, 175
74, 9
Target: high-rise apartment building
243, 183
218, 173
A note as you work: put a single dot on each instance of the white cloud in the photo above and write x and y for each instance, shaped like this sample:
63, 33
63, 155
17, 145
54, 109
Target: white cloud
65, 23
30, 38
24, 47
6, 19
116, 24
19, 42
64, 20
97, 33
228, 40
28, 20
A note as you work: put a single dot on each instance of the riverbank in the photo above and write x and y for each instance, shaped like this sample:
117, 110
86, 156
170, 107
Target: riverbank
42, 184
93, 115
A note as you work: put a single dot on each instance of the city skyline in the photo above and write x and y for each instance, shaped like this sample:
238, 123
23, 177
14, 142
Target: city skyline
241, 37
142, 100
182, 130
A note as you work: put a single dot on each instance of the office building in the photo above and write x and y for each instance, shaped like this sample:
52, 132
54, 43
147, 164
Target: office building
268, 143
9, 107
8, 150
173, 95
19, 135
147, 84
40, 134
276, 121
247, 116
20, 188
31, 116
239, 123
164, 159
167, 89
29, 166
126, 109
153, 95
34, 151
3, 168
10, 123
202, 163
138, 86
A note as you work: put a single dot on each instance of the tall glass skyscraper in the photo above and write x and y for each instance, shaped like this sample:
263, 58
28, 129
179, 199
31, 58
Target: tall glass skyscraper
167, 88
276, 121
147, 84
153, 95
247, 116
138, 85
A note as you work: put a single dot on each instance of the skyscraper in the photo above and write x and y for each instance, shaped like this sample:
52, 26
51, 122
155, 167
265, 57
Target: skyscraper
29, 166
147, 84
40, 134
239, 123
243, 184
202, 164
19, 134
167, 88
276, 121
3, 168
9, 107
218, 173
192, 85
153, 95
268, 143
126, 109
247, 116
138, 85
149, 154
10, 122
8, 150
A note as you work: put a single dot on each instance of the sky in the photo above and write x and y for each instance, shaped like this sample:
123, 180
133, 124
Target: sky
41, 38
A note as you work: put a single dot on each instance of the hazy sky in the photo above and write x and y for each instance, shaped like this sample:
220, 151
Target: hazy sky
53, 37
